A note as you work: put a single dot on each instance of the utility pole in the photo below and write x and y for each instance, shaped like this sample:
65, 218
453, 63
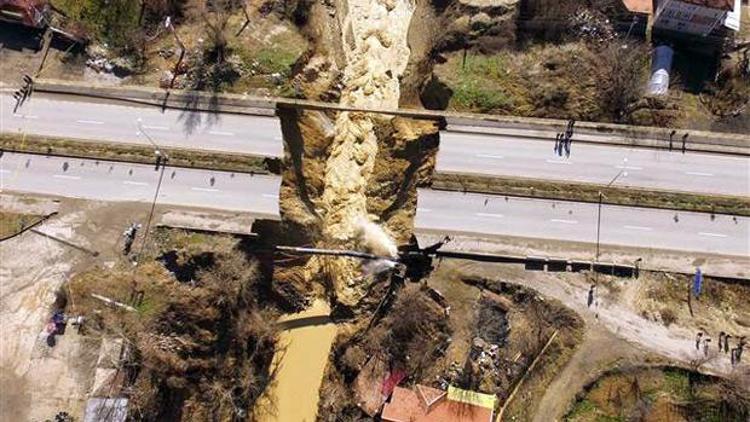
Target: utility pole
161, 160
599, 211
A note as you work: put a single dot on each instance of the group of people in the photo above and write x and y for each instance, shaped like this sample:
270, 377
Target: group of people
735, 353
563, 140
24, 92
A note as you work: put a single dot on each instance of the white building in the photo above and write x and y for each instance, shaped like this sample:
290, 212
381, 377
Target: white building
697, 17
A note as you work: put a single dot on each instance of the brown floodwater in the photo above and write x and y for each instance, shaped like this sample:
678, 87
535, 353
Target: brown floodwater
304, 345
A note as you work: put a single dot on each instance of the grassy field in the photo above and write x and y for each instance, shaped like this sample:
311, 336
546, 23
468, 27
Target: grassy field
136, 153
659, 393
590, 193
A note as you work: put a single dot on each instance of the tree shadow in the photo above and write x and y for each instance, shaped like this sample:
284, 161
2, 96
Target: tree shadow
201, 109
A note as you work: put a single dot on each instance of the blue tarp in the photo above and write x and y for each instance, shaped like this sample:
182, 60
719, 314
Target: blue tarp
697, 282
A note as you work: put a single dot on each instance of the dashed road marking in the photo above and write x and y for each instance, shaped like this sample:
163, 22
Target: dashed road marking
497, 157
268, 195
128, 182
629, 167
89, 122
204, 189
220, 133
698, 173
489, 215
65, 176
424, 210
25, 116
559, 162
555, 220
712, 234
638, 228
155, 127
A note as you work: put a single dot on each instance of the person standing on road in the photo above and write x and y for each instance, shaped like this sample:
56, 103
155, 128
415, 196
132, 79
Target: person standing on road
726, 343
706, 345
684, 140
557, 142
698, 340
721, 339
567, 147
591, 296
671, 138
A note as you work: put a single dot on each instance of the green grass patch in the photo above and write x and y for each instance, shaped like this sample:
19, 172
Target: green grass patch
582, 409
482, 84
677, 383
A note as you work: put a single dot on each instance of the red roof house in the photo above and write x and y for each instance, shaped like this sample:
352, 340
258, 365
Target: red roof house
423, 404
27, 12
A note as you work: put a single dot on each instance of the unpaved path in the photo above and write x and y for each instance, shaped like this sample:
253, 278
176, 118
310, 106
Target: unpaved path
300, 364
599, 351
35, 380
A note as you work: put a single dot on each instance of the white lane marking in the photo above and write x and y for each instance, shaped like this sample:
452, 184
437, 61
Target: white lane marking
25, 116
490, 215
220, 133
698, 173
268, 195
555, 220
498, 157
559, 162
424, 210
65, 176
2, 171
638, 228
128, 182
712, 234
205, 189
629, 167
155, 127
89, 122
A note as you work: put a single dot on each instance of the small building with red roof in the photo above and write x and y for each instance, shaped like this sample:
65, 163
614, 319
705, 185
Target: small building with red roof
423, 404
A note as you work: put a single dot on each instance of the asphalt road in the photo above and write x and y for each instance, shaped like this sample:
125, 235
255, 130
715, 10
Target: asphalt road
437, 210
99, 122
486, 154
644, 168
576, 221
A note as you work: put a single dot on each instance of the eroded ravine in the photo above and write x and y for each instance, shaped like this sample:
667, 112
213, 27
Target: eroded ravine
374, 36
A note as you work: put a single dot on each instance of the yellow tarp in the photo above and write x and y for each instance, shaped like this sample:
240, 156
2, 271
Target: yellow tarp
472, 397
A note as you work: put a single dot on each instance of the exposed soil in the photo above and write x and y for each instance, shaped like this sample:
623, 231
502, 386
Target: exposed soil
346, 170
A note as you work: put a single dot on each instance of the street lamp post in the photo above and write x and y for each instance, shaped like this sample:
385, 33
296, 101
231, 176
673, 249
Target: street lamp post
162, 157
622, 173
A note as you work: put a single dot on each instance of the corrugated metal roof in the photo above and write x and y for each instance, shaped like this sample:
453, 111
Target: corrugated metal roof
713, 4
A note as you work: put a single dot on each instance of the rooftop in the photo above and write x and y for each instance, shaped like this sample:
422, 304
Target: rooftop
424, 404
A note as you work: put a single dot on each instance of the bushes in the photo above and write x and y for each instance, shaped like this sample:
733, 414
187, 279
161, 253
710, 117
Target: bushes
114, 22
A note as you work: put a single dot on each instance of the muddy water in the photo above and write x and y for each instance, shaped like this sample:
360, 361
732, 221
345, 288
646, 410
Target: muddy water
301, 361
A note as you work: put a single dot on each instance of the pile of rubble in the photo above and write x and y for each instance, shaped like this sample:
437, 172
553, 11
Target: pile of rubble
100, 61
591, 26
